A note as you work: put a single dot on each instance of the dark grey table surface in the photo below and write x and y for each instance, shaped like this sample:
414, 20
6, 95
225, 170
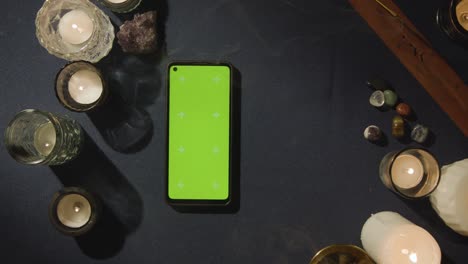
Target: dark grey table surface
308, 178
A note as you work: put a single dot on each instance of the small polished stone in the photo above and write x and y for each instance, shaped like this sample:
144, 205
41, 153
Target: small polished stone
377, 99
377, 83
398, 127
420, 133
390, 98
403, 109
372, 133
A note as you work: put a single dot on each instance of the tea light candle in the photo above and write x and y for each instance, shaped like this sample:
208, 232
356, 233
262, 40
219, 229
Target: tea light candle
462, 13
45, 138
85, 87
74, 210
407, 171
390, 238
117, 1
76, 27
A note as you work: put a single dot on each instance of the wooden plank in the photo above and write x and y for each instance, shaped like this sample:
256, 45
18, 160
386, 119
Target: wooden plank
418, 56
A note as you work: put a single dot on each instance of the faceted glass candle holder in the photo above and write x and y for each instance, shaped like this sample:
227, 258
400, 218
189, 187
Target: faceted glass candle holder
411, 173
74, 30
121, 6
80, 87
35, 137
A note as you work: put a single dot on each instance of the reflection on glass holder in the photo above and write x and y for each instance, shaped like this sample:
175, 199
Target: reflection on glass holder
74, 30
121, 6
411, 173
36, 137
80, 87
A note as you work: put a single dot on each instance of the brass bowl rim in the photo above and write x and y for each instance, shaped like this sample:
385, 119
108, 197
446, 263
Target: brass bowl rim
326, 250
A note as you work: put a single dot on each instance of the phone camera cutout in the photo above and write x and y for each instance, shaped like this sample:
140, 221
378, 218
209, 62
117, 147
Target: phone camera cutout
175, 69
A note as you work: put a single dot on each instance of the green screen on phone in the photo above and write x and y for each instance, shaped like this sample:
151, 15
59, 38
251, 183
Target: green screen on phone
199, 132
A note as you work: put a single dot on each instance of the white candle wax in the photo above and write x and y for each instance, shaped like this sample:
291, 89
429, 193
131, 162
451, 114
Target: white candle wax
85, 87
74, 211
407, 171
450, 199
45, 138
389, 238
117, 1
76, 27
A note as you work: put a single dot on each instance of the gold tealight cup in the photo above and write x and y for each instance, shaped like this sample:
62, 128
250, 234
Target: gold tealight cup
342, 254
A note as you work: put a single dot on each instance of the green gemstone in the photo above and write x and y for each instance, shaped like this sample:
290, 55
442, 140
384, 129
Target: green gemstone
391, 98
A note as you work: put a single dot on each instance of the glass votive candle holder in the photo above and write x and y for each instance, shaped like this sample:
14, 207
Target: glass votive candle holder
36, 137
121, 6
345, 254
80, 86
411, 173
74, 211
390, 238
74, 30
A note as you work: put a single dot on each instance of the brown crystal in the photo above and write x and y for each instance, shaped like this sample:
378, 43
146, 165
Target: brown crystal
139, 36
403, 109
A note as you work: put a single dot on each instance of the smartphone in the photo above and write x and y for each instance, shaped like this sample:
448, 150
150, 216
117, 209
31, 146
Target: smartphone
199, 133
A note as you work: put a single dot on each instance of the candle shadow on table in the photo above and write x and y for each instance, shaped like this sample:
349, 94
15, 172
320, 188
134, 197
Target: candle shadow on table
234, 205
424, 209
122, 205
134, 82
125, 128
446, 259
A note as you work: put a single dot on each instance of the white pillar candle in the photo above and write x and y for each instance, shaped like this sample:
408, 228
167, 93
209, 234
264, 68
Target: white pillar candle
407, 171
85, 87
45, 138
74, 211
76, 27
389, 238
450, 199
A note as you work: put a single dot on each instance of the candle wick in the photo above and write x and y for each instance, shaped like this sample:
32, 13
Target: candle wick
77, 207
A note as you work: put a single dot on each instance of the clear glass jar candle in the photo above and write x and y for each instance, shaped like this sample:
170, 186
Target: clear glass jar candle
36, 137
74, 30
121, 6
411, 173
80, 87
74, 211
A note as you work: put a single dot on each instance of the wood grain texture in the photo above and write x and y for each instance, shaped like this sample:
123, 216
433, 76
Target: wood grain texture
417, 55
